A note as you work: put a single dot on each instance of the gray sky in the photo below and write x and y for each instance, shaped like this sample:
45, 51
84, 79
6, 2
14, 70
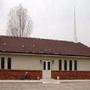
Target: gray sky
52, 19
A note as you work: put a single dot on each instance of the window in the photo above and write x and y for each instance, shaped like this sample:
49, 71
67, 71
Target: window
2, 62
9, 63
60, 64
65, 64
48, 65
6, 62
75, 65
70, 65
44, 65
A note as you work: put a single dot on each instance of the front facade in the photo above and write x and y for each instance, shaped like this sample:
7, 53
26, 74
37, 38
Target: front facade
35, 66
43, 66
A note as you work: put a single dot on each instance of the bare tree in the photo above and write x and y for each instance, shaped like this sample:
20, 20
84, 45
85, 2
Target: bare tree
19, 23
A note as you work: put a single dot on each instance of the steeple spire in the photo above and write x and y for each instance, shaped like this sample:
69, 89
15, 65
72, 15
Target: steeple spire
75, 29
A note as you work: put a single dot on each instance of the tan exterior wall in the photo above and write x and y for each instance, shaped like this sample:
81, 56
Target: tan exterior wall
83, 65
26, 63
23, 62
55, 64
34, 62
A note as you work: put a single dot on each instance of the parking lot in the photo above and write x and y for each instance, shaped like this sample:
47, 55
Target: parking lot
45, 86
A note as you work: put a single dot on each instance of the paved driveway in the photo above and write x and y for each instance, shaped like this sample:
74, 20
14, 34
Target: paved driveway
41, 86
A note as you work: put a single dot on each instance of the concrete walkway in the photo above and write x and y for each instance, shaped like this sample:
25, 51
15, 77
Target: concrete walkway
27, 85
44, 81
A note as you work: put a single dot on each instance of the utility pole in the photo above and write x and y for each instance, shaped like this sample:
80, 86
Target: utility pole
75, 28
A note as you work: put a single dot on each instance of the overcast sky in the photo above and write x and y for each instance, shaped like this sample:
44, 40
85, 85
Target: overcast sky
52, 19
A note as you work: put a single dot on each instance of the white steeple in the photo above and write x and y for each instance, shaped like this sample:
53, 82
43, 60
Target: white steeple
75, 28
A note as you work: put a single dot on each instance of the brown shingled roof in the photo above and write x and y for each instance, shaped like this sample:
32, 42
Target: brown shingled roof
42, 46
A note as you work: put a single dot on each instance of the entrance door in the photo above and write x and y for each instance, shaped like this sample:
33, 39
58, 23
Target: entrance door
46, 69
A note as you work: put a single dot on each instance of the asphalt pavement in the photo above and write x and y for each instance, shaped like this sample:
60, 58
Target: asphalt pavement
44, 86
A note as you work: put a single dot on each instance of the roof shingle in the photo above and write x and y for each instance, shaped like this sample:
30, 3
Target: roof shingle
42, 46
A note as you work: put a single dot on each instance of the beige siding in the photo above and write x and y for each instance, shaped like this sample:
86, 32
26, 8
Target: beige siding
26, 63
55, 64
34, 62
83, 65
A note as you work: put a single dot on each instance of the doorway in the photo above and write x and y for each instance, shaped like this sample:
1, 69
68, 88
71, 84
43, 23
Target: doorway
46, 66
